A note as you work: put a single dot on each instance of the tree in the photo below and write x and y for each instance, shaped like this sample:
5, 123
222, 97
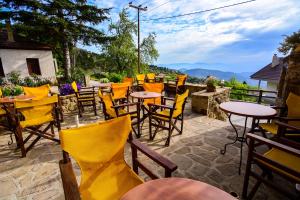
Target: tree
289, 42
121, 52
60, 23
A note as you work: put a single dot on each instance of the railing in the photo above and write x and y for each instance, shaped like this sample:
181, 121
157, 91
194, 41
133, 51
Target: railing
251, 95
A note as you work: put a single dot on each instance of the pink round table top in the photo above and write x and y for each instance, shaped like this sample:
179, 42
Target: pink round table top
145, 95
104, 85
248, 109
13, 99
176, 189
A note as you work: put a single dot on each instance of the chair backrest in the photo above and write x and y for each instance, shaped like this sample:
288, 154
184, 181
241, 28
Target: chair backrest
100, 94
151, 77
37, 109
108, 102
181, 79
140, 78
179, 102
128, 80
38, 92
97, 146
293, 104
154, 87
1, 93
120, 90
74, 86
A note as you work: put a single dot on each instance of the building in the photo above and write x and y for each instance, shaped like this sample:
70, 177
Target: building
271, 73
26, 57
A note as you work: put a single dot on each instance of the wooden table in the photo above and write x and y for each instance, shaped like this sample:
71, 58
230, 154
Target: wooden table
176, 189
244, 109
8, 100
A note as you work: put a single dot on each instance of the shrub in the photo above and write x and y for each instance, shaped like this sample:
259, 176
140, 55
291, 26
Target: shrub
11, 90
114, 77
104, 80
14, 77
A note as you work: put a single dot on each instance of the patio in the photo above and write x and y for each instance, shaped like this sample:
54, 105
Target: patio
196, 152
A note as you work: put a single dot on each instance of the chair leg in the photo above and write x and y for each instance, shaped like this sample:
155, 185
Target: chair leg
169, 134
95, 108
21, 141
79, 109
150, 127
181, 127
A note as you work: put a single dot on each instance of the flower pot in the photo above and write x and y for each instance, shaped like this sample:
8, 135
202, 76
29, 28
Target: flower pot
210, 88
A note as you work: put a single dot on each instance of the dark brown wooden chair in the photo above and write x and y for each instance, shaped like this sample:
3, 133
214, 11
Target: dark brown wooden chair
112, 110
178, 87
85, 98
167, 114
106, 175
282, 158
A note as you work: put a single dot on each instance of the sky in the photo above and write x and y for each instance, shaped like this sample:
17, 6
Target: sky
242, 38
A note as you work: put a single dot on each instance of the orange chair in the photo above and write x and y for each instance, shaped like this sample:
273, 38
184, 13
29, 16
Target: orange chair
120, 91
153, 87
128, 80
38, 92
179, 86
99, 151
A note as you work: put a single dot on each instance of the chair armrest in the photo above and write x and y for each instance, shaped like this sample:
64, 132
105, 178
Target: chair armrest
278, 107
168, 165
169, 98
159, 105
125, 104
91, 87
69, 181
274, 144
285, 125
286, 119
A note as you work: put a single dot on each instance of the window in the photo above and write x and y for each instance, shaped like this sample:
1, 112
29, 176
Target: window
1, 69
33, 66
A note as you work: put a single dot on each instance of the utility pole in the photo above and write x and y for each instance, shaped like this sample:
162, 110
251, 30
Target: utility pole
138, 8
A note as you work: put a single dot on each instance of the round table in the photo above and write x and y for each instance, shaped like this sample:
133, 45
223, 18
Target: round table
245, 109
145, 95
176, 189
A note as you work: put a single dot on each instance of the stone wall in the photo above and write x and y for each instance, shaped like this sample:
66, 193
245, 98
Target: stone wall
68, 103
207, 103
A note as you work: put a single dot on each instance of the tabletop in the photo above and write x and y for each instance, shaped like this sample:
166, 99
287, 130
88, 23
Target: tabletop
248, 109
175, 189
145, 95
13, 99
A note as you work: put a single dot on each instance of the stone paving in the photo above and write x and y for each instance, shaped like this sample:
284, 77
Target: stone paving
196, 152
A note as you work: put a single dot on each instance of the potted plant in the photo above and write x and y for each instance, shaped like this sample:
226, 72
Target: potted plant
211, 84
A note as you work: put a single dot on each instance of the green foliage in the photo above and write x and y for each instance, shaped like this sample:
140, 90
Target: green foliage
212, 82
58, 23
11, 90
121, 52
104, 80
115, 77
14, 77
289, 42
238, 90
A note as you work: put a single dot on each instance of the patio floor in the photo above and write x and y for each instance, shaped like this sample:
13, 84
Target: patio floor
196, 152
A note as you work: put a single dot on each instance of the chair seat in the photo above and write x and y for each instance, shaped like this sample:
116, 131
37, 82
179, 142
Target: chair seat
166, 113
36, 121
2, 111
273, 128
111, 183
285, 159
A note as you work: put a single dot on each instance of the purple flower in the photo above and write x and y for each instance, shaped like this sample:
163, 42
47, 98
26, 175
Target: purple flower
67, 89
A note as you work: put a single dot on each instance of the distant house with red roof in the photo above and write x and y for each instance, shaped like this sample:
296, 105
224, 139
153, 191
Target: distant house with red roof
27, 57
271, 73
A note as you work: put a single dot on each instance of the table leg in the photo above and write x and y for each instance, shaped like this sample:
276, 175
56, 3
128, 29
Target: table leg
238, 138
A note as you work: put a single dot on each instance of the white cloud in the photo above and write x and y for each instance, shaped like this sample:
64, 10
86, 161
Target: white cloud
192, 38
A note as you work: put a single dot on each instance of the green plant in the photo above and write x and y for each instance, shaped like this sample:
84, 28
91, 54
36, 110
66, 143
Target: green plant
14, 77
104, 80
115, 77
11, 90
212, 81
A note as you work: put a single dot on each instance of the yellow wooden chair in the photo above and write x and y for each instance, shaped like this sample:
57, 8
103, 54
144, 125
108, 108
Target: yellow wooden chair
38, 92
2, 111
282, 159
150, 77
31, 116
99, 151
292, 118
85, 98
120, 91
169, 114
111, 110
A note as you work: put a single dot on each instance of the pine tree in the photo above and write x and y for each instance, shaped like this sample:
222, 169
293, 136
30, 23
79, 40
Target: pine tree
59, 23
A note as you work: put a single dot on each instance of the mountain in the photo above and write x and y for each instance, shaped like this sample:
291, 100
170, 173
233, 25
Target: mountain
200, 73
